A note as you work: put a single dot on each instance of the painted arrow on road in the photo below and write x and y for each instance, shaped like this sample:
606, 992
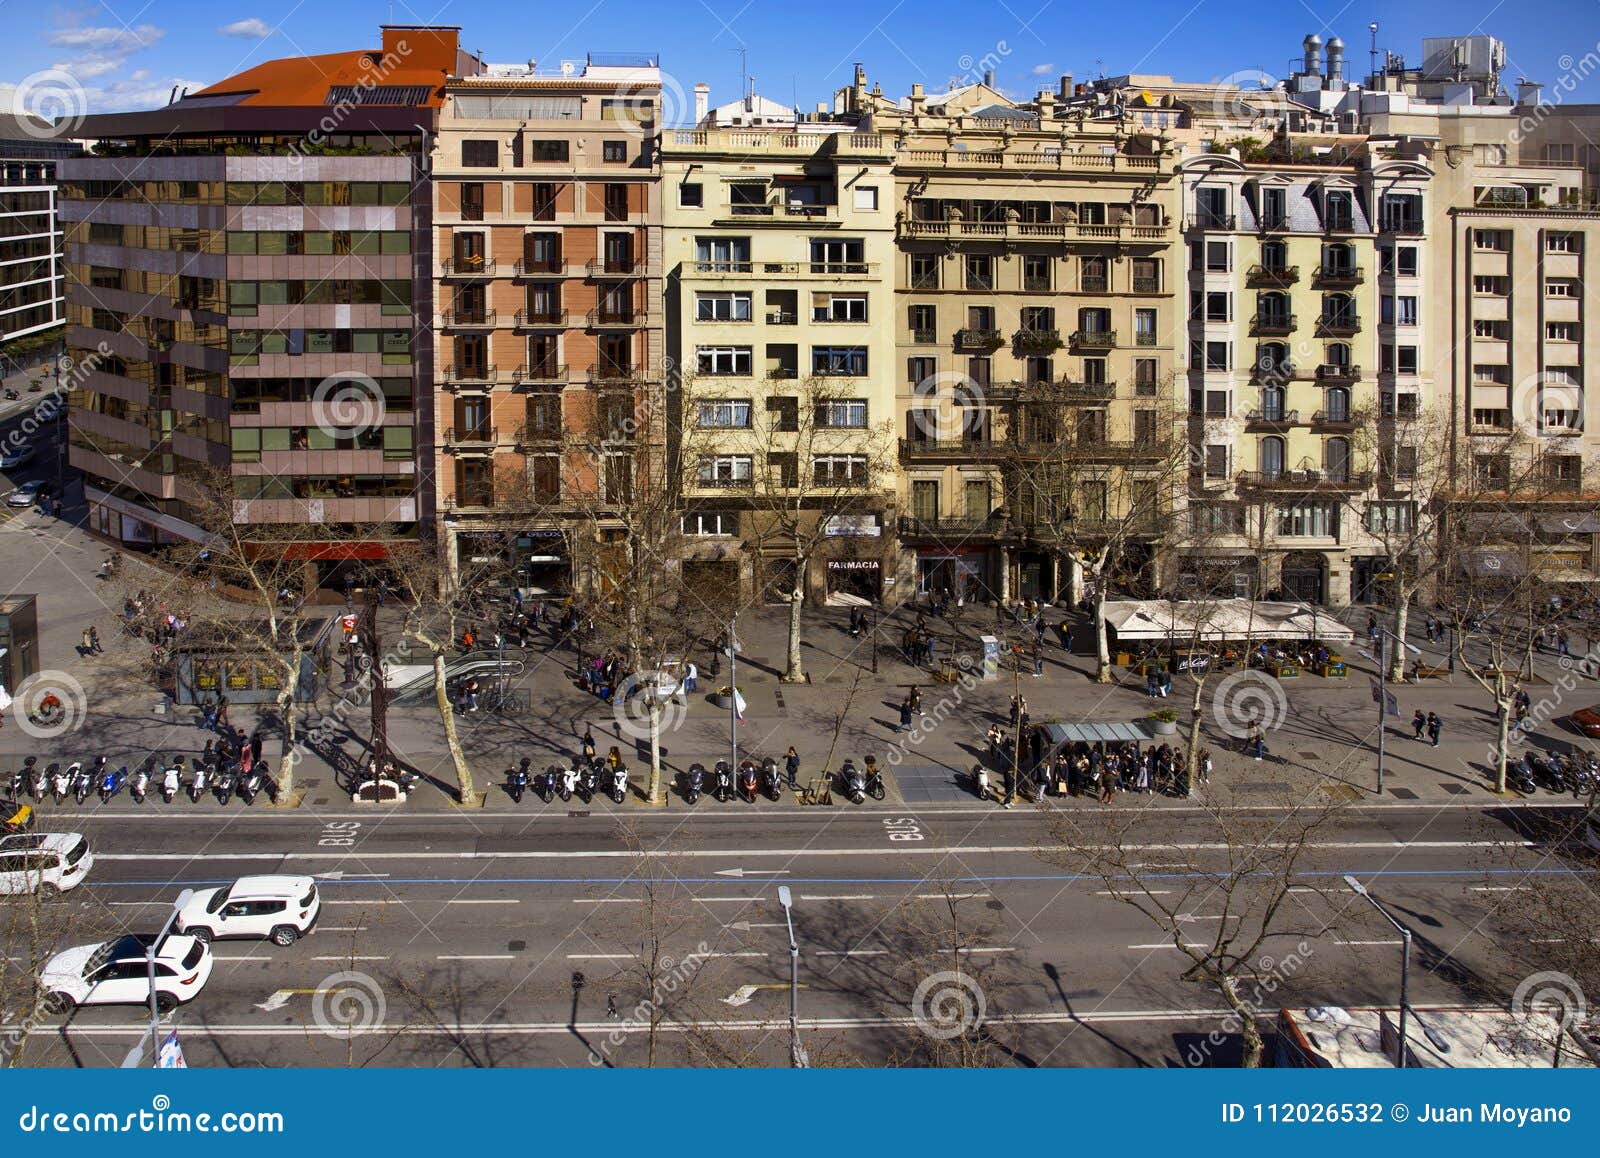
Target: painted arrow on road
746, 926
280, 998
743, 994
739, 872
340, 874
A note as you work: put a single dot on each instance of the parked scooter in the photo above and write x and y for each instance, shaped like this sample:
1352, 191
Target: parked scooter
1520, 777
619, 782
747, 780
200, 782
226, 779
36, 777
171, 779
139, 784
517, 780
694, 779
111, 779
588, 784
874, 780
853, 781
568, 784
722, 782
547, 782
83, 780
771, 782
60, 781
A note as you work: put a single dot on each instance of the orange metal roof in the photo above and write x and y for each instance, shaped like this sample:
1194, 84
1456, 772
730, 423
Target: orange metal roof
409, 56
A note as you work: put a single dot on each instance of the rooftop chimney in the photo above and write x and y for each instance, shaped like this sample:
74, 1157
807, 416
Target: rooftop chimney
988, 77
918, 99
702, 102
1313, 66
1064, 92
1528, 91
1335, 63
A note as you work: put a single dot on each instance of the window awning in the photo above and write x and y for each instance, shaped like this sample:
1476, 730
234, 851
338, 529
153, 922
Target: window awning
1096, 732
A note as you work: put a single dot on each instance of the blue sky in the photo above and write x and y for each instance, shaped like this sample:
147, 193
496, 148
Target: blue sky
130, 55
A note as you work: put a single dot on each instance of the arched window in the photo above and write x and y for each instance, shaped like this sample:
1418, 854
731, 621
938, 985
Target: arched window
1272, 358
1275, 256
1273, 309
1339, 354
1336, 456
1272, 403
1272, 456
1336, 403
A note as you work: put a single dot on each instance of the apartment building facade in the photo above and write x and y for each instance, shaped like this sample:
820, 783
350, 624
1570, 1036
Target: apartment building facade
548, 264
32, 277
246, 276
780, 262
1037, 263
1306, 339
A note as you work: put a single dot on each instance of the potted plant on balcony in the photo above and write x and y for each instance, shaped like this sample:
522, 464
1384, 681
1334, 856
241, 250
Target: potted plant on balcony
1039, 341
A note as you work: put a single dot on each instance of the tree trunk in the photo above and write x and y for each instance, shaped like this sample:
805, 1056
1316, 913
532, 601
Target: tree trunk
655, 748
1102, 673
287, 714
1397, 669
1502, 741
795, 673
1191, 758
1251, 1058
441, 698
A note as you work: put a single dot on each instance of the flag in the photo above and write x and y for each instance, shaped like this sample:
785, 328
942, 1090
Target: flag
170, 1055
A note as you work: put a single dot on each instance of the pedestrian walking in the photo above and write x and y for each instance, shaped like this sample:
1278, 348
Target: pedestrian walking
1257, 742
222, 712
1038, 657
691, 678
1419, 724
208, 715
1204, 766
1372, 627
905, 715
255, 747
1563, 644
791, 765
1435, 726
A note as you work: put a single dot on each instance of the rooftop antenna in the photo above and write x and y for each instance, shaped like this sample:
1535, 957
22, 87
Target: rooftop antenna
743, 83
1372, 55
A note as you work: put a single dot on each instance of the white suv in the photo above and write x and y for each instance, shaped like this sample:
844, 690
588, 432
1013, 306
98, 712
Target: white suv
46, 862
117, 973
280, 908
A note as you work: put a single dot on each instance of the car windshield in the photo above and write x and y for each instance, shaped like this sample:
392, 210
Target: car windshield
306, 900
218, 899
75, 853
193, 956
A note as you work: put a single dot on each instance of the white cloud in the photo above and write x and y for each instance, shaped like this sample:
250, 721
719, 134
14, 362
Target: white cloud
107, 41
1043, 69
129, 95
89, 66
250, 29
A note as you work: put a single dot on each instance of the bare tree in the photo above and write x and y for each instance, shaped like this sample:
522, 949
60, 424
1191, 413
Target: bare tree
815, 467
1243, 873
33, 926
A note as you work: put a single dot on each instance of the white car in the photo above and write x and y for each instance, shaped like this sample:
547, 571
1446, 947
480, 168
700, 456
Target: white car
28, 493
117, 973
17, 456
46, 862
281, 909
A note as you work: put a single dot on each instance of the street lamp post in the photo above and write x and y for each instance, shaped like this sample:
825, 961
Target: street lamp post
797, 1053
1405, 960
733, 699
136, 1054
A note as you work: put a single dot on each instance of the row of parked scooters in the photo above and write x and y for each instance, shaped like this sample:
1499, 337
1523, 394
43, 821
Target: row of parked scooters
587, 779
1577, 773
223, 778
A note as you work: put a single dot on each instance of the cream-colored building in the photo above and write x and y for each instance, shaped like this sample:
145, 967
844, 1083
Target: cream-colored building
779, 262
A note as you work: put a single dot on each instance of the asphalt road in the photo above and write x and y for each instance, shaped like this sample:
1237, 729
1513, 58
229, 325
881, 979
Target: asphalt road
466, 932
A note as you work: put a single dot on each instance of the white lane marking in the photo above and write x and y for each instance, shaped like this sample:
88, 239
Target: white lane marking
599, 956
909, 850
349, 901
744, 953
850, 952
1198, 917
348, 957
341, 928
1496, 888
484, 901
980, 949
1364, 944
729, 900
949, 896
842, 897
476, 957
1168, 945
239, 957
1132, 892
137, 904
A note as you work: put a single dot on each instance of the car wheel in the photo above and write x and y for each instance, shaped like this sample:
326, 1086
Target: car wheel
201, 933
58, 1003
285, 935
166, 1002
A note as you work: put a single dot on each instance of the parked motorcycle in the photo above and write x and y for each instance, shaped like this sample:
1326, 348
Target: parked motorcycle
874, 780
139, 784
83, 781
517, 780
36, 777
111, 779
1519, 776
619, 782
171, 780
226, 779
694, 778
722, 782
200, 782
547, 783
853, 781
747, 781
771, 781
60, 781
568, 784
588, 784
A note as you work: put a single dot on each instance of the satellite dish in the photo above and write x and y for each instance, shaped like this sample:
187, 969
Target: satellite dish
568, 68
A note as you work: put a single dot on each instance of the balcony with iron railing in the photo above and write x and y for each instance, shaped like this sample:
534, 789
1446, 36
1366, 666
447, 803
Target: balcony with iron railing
541, 319
957, 230
614, 319
471, 436
1272, 222
463, 375
616, 267
468, 320
1271, 418
1338, 277
468, 265
949, 448
1212, 221
1079, 391
1330, 419
1407, 226
1035, 285
1338, 325
705, 482
782, 318
1090, 284
528, 269
968, 339
942, 528
539, 434
1095, 339
1146, 338
1338, 372
1272, 325
1272, 275
612, 375
1273, 371
1038, 341
538, 373
1338, 224
1305, 480
1147, 285
924, 336
471, 499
